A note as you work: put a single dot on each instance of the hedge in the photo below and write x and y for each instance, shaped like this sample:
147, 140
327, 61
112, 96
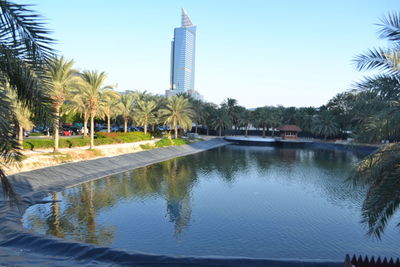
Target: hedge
101, 139
171, 142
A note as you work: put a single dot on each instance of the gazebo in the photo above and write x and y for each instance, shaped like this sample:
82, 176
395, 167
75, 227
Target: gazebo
289, 131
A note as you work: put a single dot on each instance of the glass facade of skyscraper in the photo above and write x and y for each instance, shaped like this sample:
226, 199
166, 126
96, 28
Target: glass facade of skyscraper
183, 49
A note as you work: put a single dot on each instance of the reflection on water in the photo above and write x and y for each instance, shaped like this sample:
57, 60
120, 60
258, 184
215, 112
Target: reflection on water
233, 201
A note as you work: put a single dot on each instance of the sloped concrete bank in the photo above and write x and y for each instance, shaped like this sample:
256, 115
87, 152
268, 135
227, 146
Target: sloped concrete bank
24, 247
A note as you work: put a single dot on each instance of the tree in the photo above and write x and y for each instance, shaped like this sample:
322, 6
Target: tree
62, 80
125, 108
231, 106
245, 119
380, 171
209, 110
109, 100
77, 104
198, 112
325, 125
25, 47
93, 88
22, 116
145, 113
221, 120
177, 112
263, 118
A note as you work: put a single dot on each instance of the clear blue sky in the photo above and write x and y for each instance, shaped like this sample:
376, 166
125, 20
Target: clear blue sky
294, 53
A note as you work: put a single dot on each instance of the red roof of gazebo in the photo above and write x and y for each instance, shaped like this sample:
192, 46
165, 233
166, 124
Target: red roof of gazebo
289, 128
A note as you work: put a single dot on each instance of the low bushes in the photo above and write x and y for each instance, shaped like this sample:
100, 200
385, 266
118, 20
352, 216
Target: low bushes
171, 142
37, 134
101, 139
38, 143
123, 137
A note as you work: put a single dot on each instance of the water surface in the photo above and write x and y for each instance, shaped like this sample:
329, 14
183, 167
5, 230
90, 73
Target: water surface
231, 201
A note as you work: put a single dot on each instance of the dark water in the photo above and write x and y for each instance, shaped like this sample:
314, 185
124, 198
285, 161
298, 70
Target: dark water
231, 201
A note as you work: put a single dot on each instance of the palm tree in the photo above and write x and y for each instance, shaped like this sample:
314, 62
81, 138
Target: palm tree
109, 100
198, 112
23, 121
92, 95
380, 171
25, 46
178, 112
231, 105
22, 116
145, 113
325, 125
263, 118
77, 104
245, 119
221, 120
209, 110
62, 79
125, 108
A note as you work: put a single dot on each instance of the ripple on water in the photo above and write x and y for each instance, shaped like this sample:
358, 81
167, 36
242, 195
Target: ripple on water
231, 201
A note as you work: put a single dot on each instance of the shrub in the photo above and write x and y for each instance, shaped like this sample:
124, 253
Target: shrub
146, 146
102, 139
171, 142
38, 143
37, 134
124, 137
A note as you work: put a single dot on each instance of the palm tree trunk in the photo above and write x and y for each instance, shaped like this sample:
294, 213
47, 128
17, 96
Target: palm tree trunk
85, 120
246, 129
263, 132
20, 136
208, 131
220, 131
273, 132
56, 127
91, 132
195, 129
145, 127
108, 124
176, 128
125, 125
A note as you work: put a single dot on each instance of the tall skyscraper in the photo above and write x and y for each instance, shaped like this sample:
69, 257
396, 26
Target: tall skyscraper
183, 50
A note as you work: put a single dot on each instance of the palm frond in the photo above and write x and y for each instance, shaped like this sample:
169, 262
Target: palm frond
390, 27
377, 58
381, 172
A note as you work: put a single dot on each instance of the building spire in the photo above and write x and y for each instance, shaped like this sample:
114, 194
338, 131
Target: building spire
186, 22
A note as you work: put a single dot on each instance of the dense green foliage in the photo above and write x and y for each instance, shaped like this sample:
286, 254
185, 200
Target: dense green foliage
379, 117
171, 142
102, 139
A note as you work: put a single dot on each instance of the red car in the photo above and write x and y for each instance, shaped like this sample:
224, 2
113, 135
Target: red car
65, 132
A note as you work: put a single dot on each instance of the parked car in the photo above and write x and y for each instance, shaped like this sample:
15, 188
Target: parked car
65, 132
73, 129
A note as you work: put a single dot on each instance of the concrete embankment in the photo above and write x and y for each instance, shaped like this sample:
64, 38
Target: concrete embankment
301, 143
